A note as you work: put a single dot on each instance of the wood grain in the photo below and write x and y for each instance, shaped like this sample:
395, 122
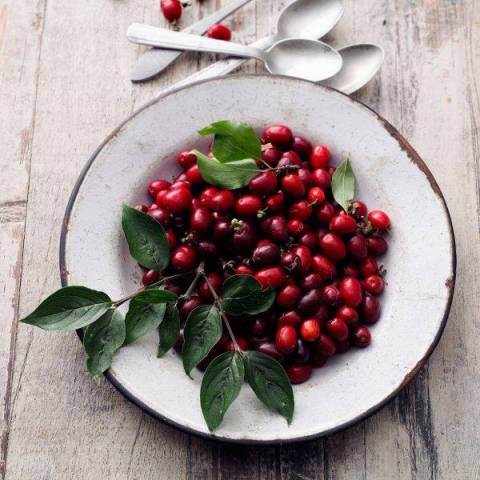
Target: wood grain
64, 69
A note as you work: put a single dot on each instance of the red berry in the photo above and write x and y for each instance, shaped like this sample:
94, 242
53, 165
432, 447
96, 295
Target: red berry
177, 200
299, 373
295, 227
204, 291
187, 306
263, 183
266, 253
349, 315
310, 302
220, 32
200, 219
376, 245
279, 135
269, 348
323, 266
351, 291
243, 269
171, 238
150, 276
186, 159
291, 318
273, 276
359, 209
311, 281
316, 195
222, 201
325, 346
374, 284
171, 9
310, 330
305, 256
290, 158
310, 240
293, 185
288, 296
305, 176
184, 258
275, 203
369, 266
331, 295
302, 146
350, 270
358, 246
286, 339
277, 229
161, 215
320, 156
333, 246
379, 219
207, 195
248, 205
370, 309
272, 156
322, 178
300, 210
343, 224
193, 175
362, 337
325, 213
337, 328
156, 186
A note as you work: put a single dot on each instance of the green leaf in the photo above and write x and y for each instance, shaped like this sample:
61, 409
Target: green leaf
69, 308
343, 184
142, 318
146, 239
221, 385
270, 383
102, 339
233, 141
230, 175
168, 330
202, 331
156, 295
243, 294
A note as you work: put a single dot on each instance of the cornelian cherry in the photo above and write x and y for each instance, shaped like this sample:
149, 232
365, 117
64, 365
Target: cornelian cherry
293, 185
184, 258
248, 205
310, 330
264, 183
320, 156
286, 339
279, 135
220, 32
379, 219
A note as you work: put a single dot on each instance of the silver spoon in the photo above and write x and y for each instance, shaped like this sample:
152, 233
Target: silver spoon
360, 64
296, 57
301, 18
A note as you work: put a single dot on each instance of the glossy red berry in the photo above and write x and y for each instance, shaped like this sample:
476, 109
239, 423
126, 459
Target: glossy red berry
156, 186
324, 267
292, 318
244, 269
325, 213
370, 309
273, 276
310, 302
362, 337
374, 284
222, 201
193, 175
311, 281
277, 229
272, 156
359, 209
305, 256
263, 183
302, 146
316, 195
351, 291
322, 178
343, 225
275, 203
266, 253
288, 296
171, 9
290, 158
150, 276
293, 185
337, 328
300, 210
376, 246
220, 32
171, 238
310, 240
358, 246
310, 330
368, 266
325, 345
305, 176
286, 339
333, 246
248, 205
200, 219
177, 200
187, 306
299, 373
295, 227
184, 258
320, 156
270, 349
161, 215
203, 289
186, 159
348, 314
379, 219
331, 295
279, 135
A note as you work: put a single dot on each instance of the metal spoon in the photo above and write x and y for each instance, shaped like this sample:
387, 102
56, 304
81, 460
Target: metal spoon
296, 57
360, 64
301, 18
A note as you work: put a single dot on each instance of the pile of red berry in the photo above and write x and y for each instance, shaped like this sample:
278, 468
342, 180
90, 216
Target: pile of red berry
287, 231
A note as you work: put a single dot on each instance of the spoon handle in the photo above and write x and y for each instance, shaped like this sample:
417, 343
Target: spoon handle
163, 38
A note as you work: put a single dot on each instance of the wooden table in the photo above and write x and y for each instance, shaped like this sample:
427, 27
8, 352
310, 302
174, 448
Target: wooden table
64, 70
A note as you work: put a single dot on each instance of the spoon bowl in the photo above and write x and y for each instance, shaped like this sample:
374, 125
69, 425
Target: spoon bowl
309, 18
360, 64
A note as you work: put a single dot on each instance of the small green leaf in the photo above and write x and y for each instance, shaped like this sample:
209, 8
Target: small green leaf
233, 141
202, 331
343, 184
221, 385
69, 308
230, 175
142, 318
102, 339
168, 330
270, 383
156, 295
243, 294
146, 239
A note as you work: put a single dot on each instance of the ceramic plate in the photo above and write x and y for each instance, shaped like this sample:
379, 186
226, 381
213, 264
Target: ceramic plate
391, 176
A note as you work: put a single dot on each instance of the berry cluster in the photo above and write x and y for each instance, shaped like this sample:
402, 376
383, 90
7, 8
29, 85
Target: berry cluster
286, 230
